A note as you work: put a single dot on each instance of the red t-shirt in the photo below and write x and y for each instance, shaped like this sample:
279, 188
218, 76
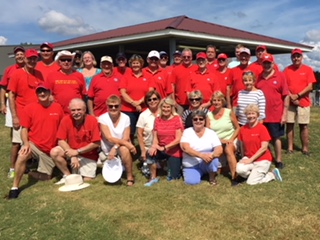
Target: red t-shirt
207, 83
79, 137
101, 87
66, 87
179, 77
7, 74
275, 89
236, 83
252, 139
136, 87
213, 66
24, 85
46, 70
42, 124
117, 70
257, 68
161, 81
223, 79
166, 132
298, 79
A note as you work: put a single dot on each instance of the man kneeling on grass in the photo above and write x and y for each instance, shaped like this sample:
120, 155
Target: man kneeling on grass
78, 141
39, 123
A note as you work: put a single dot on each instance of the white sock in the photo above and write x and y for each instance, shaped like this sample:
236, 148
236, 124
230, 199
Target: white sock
14, 188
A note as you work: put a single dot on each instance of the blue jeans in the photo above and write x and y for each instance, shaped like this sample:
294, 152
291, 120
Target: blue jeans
192, 175
133, 121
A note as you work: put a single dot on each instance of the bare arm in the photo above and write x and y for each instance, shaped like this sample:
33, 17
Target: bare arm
90, 106
228, 98
129, 100
261, 150
12, 105
141, 143
3, 108
285, 109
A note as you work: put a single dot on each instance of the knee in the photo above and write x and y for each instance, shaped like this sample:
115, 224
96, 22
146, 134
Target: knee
56, 152
125, 154
190, 180
241, 170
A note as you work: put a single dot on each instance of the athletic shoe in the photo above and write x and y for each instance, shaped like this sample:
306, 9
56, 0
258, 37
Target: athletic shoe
279, 165
11, 173
277, 174
13, 193
62, 181
151, 182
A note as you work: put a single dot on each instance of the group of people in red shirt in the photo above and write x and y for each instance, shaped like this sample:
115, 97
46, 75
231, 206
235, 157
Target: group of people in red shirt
52, 108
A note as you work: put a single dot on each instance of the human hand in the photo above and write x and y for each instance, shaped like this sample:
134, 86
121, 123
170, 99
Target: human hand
71, 152
207, 157
16, 123
245, 160
25, 149
112, 153
75, 162
3, 109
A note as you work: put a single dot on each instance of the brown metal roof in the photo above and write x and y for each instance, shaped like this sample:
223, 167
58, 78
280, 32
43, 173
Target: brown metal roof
182, 23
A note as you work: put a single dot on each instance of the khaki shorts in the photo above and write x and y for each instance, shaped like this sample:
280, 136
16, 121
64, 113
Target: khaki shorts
16, 136
301, 115
46, 164
88, 167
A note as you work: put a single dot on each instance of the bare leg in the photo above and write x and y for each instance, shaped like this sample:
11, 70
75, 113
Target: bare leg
304, 137
277, 149
19, 169
57, 155
290, 136
127, 162
153, 170
15, 147
231, 158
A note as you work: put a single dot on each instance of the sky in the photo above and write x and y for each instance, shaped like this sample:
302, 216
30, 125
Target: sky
37, 21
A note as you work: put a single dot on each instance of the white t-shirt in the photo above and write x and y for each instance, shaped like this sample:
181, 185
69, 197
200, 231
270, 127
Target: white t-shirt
205, 144
146, 122
116, 132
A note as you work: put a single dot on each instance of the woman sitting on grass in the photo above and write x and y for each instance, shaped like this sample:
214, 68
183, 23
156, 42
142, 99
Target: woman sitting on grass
201, 148
167, 133
254, 139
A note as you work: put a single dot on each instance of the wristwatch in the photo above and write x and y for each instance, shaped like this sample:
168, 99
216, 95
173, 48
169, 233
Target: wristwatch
115, 147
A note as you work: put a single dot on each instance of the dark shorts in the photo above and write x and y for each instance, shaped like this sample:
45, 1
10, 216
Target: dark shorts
276, 130
133, 121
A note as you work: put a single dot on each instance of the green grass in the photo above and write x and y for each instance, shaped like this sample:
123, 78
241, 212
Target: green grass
168, 210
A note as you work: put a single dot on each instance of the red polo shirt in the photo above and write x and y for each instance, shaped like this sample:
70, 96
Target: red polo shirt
136, 87
213, 66
66, 87
179, 77
7, 74
275, 89
78, 137
206, 82
298, 79
223, 78
161, 81
119, 72
42, 124
46, 70
24, 85
101, 88
257, 68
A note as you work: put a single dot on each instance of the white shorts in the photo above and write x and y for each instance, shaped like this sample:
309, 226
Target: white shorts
8, 122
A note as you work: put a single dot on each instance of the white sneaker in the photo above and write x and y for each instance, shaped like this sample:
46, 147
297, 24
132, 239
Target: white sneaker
62, 181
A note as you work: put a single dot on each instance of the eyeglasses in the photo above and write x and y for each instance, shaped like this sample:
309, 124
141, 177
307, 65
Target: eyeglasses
198, 119
65, 59
221, 59
194, 99
152, 99
296, 56
113, 106
45, 50
154, 59
121, 59
186, 57
164, 57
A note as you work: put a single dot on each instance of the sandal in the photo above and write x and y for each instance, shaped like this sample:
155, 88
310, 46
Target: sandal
213, 182
130, 182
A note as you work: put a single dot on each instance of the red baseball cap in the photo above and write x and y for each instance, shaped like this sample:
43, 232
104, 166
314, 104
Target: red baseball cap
222, 55
46, 44
296, 51
267, 58
201, 55
43, 86
31, 53
261, 47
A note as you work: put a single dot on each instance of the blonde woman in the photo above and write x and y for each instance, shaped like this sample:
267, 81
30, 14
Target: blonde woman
167, 133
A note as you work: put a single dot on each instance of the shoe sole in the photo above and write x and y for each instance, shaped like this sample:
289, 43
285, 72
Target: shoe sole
277, 174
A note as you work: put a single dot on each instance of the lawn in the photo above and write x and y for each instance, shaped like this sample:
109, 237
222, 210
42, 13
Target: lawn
168, 210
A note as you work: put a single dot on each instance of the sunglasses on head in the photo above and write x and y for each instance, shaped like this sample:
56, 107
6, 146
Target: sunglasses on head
194, 99
247, 73
152, 99
45, 50
65, 59
111, 106
198, 119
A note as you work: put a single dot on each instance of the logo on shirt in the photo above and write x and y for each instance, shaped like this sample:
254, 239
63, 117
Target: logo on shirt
208, 79
275, 82
159, 78
53, 114
144, 79
116, 79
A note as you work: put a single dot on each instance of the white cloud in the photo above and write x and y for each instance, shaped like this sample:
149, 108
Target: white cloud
3, 40
57, 22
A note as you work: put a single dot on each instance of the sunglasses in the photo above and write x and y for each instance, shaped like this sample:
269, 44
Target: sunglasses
194, 99
113, 106
186, 57
45, 50
247, 73
65, 59
296, 56
221, 59
164, 57
154, 59
198, 119
152, 99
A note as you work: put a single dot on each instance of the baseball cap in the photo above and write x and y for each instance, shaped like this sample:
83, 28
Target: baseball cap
42, 86
177, 52
121, 55
18, 48
267, 58
296, 51
65, 53
163, 53
222, 55
154, 53
245, 50
201, 55
106, 59
261, 47
47, 44
31, 53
